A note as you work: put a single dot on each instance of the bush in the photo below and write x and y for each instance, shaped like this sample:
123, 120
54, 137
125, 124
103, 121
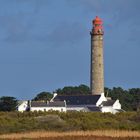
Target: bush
56, 121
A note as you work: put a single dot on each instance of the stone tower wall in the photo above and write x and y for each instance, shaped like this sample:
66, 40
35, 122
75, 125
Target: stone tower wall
97, 66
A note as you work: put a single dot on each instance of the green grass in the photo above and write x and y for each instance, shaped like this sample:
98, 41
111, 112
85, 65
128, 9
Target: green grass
54, 121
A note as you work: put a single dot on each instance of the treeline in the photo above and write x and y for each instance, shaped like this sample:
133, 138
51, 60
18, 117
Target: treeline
129, 99
70, 121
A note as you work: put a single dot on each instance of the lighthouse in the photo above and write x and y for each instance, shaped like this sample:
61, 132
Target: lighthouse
97, 65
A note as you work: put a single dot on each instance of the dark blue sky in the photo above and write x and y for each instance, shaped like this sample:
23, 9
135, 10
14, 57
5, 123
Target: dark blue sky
45, 44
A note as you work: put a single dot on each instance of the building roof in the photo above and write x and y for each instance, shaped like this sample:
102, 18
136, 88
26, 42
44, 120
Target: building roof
94, 108
120, 110
47, 104
78, 99
108, 103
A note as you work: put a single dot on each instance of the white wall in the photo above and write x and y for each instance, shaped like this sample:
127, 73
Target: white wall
117, 105
23, 106
61, 109
101, 99
107, 109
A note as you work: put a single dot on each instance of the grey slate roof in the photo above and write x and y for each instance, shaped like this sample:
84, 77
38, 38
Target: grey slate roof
120, 110
94, 109
47, 104
78, 99
108, 103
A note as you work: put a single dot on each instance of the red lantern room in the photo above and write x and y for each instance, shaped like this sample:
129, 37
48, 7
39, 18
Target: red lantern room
97, 26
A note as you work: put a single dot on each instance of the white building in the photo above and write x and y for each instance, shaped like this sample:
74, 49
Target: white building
95, 103
22, 106
48, 106
63, 103
41, 106
112, 106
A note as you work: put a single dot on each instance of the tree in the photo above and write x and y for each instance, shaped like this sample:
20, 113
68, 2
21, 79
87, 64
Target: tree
84, 89
74, 90
135, 92
43, 96
8, 103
